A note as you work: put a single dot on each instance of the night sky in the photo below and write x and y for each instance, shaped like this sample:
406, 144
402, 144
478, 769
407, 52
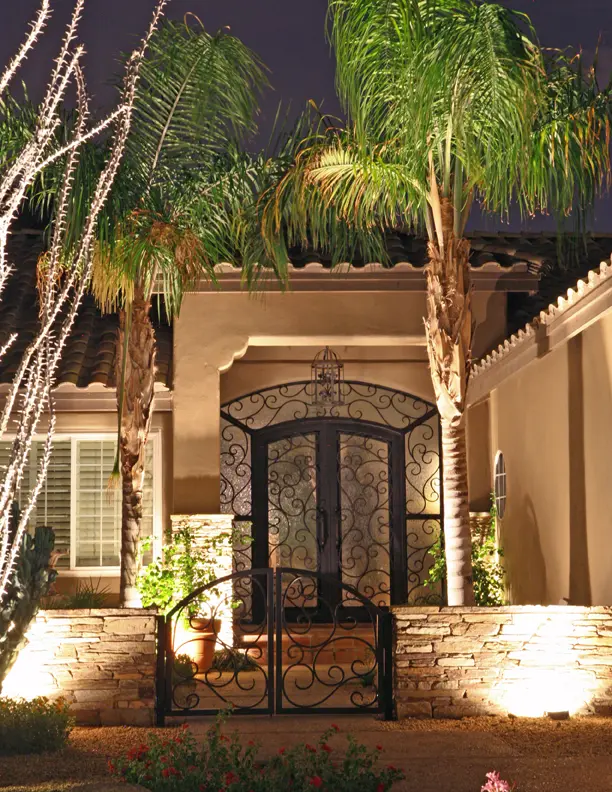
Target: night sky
287, 34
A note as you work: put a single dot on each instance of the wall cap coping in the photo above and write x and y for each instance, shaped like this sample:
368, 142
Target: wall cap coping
534, 609
87, 612
562, 309
203, 517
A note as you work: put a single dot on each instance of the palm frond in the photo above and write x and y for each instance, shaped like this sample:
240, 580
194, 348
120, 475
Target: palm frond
446, 101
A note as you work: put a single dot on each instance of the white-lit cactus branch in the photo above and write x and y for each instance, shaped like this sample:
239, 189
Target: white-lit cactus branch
64, 275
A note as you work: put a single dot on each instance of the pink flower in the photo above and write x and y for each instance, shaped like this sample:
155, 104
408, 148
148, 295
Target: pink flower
327, 748
335, 727
379, 748
316, 781
380, 787
496, 784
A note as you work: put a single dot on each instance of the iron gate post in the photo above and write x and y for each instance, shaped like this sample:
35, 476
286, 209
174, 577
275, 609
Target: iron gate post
387, 646
160, 675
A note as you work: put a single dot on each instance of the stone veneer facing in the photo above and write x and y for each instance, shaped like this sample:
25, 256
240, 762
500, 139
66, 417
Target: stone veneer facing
101, 661
521, 660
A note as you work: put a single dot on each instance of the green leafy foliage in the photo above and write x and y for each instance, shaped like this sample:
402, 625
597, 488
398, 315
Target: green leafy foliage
30, 582
233, 660
184, 567
87, 594
197, 97
183, 668
488, 573
446, 101
222, 762
33, 726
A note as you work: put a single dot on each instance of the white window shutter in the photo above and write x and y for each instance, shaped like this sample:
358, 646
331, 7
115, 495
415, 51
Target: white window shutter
97, 517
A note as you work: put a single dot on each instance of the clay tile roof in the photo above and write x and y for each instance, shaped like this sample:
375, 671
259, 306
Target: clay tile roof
556, 280
504, 250
89, 356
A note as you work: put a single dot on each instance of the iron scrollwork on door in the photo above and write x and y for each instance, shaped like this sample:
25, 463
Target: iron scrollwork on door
364, 507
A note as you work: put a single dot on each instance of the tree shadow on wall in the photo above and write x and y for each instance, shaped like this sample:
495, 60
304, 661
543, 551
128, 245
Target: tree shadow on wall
523, 557
579, 569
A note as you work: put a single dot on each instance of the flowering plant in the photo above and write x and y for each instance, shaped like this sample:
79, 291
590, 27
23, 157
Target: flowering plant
496, 784
223, 764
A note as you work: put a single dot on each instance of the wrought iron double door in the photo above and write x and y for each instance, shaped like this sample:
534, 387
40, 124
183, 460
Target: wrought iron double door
328, 497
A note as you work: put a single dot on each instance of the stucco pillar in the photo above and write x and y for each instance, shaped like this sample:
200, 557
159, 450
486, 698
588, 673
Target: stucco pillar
197, 443
199, 359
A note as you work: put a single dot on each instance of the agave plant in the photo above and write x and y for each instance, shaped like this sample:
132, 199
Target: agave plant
447, 102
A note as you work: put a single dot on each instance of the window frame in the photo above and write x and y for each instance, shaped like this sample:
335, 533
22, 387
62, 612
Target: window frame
498, 476
155, 438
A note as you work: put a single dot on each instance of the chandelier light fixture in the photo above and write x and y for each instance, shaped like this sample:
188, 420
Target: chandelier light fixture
327, 376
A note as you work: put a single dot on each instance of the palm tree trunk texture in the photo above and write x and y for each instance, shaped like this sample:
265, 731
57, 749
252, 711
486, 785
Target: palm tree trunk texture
449, 344
134, 431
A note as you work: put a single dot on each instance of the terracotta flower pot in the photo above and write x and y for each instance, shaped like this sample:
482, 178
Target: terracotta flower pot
202, 642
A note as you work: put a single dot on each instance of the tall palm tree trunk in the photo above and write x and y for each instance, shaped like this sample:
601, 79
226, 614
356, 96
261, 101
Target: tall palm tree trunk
449, 345
135, 402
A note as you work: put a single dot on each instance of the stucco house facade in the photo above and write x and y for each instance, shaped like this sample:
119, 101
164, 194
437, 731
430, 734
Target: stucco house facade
353, 490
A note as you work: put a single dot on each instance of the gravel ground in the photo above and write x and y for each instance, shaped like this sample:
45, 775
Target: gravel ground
533, 751
528, 736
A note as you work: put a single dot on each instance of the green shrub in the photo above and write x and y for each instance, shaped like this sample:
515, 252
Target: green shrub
186, 565
233, 660
488, 573
184, 668
33, 726
178, 763
86, 595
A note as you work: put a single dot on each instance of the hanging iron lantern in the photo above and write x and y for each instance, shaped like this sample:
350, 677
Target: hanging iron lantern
327, 375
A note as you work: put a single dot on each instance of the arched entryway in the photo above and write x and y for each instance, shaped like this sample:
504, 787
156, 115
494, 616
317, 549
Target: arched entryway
351, 491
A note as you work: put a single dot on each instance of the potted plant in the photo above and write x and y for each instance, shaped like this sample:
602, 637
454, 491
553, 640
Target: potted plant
185, 566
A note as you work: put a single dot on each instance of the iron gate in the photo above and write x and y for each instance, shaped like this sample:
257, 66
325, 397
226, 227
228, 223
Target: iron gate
267, 641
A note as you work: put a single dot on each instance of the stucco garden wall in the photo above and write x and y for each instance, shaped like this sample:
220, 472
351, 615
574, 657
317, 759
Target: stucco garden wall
530, 426
552, 419
457, 662
101, 661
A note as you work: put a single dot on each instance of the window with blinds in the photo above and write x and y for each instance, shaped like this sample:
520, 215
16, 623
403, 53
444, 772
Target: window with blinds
76, 500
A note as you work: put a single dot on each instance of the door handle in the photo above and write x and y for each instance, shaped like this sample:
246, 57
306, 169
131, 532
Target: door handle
323, 528
338, 527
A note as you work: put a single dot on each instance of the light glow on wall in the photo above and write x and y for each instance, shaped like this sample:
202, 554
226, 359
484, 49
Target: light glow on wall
527, 661
542, 691
26, 679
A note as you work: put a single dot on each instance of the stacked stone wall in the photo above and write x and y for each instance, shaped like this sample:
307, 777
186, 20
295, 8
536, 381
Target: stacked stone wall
101, 661
457, 662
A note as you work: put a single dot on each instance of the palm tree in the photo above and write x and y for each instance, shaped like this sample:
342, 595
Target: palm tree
168, 224
447, 102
